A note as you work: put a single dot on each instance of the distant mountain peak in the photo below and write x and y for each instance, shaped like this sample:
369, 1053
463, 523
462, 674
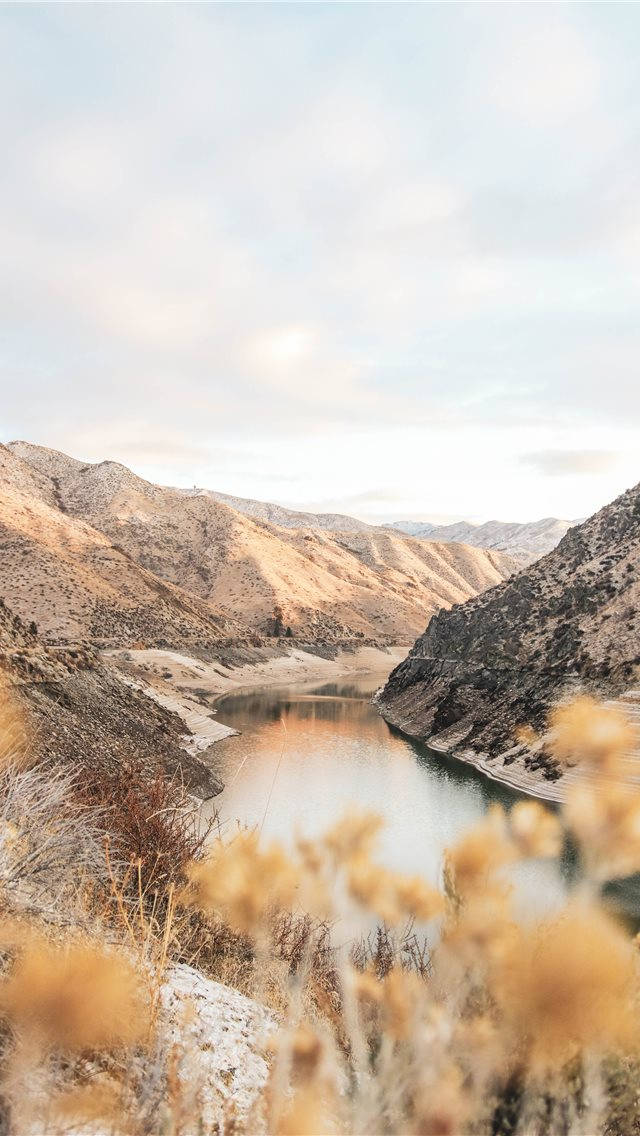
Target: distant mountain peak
526, 541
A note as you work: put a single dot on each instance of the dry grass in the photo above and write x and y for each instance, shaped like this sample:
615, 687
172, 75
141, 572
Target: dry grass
450, 1018
152, 826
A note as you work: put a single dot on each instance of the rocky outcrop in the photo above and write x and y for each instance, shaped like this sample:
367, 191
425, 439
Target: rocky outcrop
80, 711
570, 621
218, 1040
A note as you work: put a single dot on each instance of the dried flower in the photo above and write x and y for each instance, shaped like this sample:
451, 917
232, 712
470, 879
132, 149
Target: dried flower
240, 883
392, 896
307, 1114
535, 830
353, 836
401, 998
83, 1104
586, 730
569, 984
441, 1108
604, 816
374, 888
471, 862
76, 998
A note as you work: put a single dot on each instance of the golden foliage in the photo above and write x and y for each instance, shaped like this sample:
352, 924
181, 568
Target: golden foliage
471, 862
75, 998
585, 730
604, 817
570, 983
240, 883
427, 1050
354, 835
535, 831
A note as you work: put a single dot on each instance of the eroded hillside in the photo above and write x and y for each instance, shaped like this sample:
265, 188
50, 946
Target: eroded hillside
79, 711
331, 587
570, 621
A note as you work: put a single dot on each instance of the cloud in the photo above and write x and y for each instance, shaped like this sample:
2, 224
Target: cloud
548, 74
255, 229
564, 463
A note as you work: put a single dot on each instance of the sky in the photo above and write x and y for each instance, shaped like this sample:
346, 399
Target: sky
380, 259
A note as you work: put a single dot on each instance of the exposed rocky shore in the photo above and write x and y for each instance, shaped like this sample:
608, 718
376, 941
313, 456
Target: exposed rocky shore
80, 711
571, 621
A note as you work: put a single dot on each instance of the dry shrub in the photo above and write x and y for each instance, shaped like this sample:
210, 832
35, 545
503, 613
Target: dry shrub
451, 1018
74, 998
153, 828
50, 843
384, 950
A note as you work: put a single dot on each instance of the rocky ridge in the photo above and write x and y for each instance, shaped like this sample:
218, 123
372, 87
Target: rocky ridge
570, 621
525, 542
283, 517
136, 563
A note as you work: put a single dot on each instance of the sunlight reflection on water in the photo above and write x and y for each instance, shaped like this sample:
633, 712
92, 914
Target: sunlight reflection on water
306, 754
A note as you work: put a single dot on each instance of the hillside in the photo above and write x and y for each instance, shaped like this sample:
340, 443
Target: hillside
71, 580
78, 710
286, 518
373, 585
526, 542
570, 620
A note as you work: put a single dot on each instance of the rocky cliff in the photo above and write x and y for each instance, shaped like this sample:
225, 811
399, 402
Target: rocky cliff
571, 620
78, 710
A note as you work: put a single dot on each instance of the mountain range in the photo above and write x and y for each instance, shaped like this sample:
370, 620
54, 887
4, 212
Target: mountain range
92, 551
526, 541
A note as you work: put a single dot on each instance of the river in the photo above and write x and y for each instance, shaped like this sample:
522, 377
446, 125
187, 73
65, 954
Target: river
307, 753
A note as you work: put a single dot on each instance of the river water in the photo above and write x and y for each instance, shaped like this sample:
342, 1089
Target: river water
309, 752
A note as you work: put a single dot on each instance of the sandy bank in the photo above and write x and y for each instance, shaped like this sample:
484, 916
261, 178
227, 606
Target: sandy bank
190, 686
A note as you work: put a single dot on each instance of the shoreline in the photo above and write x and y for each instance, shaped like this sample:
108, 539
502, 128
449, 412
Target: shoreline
190, 687
512, 777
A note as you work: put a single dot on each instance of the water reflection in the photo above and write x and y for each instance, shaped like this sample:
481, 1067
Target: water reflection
307, 753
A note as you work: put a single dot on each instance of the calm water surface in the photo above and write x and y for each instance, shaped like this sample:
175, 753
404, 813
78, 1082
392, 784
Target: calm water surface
308, 753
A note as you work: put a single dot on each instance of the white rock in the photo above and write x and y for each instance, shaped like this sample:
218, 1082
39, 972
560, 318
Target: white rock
218, 1038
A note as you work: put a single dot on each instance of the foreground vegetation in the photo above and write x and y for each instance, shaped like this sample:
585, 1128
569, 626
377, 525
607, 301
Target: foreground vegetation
449, 1018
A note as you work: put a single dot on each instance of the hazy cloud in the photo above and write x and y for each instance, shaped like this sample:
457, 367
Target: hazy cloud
279, 231
562, 463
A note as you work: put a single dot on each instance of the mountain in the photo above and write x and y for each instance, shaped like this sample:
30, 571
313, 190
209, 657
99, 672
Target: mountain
109, 555
571, 620
79, 710
526, 542
286, 518
74, 583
